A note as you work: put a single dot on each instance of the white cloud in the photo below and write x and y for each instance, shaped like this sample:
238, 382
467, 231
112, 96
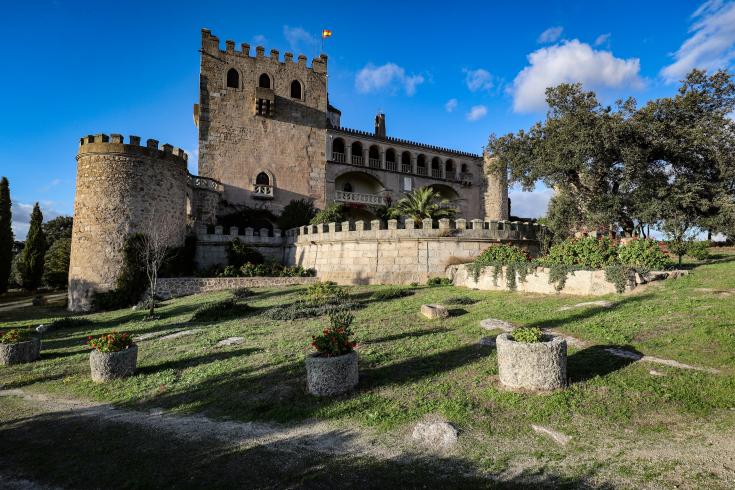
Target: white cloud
299, 39
479, 79
477, 112
571, 62
386, 77
260, 40
711, 43
451, 105
530, 204
602, 39
550, 35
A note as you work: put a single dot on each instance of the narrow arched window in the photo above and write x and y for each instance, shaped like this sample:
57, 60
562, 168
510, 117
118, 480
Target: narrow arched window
264, 81
262, 179
296, 90
233, 78
347, 187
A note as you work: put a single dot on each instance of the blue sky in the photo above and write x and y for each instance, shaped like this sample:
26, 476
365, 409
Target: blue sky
445, 74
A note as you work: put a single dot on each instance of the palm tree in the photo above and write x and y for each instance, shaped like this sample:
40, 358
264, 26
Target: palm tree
422, 203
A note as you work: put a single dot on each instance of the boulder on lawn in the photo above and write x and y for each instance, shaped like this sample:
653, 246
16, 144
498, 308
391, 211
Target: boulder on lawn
434, 311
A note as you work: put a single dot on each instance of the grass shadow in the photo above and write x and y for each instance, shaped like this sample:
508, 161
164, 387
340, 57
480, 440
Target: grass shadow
595, 361
408, 335
196, 361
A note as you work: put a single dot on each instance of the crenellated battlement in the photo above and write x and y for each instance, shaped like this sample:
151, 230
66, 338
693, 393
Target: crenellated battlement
211, 44
410, 229
115, 143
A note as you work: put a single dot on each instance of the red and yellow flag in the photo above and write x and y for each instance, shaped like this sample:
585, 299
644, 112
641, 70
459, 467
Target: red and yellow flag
326, 33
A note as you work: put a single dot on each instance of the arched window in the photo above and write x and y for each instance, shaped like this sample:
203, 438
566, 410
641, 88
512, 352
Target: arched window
347, 187
233, 78
262, 179
357, 153
338, 150
449, 166
464, 168
296, 90
264, 81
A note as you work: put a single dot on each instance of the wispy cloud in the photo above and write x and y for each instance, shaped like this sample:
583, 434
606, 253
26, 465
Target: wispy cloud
530, 204
299, 39
602, 39
451, 105
711, 44
260, 40
479, 79
21, 216
550, 35
476, 113
386, 77
571, 62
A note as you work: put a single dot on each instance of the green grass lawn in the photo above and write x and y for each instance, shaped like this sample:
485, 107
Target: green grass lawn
411, 367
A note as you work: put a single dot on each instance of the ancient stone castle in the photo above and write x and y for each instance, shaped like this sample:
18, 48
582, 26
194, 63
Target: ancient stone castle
268, 135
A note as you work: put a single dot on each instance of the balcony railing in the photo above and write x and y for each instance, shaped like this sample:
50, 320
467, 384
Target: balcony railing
436, 173
373, 162
406, 168
357, 160
338, 157
390, 165
359, 197
261, 191
420, 170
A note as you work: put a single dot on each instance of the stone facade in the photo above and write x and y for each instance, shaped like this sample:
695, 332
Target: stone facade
121, 188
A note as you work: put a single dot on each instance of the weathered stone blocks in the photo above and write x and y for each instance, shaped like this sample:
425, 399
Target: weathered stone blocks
106, 366
327, 376
20, 352
434, 311
540, 366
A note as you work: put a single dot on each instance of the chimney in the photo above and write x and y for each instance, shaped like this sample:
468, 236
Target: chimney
380, 125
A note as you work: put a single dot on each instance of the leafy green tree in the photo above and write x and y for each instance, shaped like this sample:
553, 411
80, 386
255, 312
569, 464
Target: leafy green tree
6, 234
333, 213
56, 263
298, 212
30, 263
422, 203
59, 227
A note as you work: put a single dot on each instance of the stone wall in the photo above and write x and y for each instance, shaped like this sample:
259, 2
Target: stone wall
211, 247
583, 283
121, 188
371, 253
174, 287
236, 143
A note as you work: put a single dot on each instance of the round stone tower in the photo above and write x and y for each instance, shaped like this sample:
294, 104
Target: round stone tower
122, 188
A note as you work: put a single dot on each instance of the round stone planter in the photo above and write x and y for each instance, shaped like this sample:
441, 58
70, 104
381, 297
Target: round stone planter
20, 352
326, 376
540, 366
106, 366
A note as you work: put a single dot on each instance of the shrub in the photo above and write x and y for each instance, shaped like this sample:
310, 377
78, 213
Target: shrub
333, 213
698, 250
241, 293
239, 254
220, 310
268, 269
15, 335
514, 259
335, 339
438, 281
130, 284
391, 292
460, 300
180, 261
586, 253
69, 322
527, 335
56, 263
303, 309
110, 342
643, 253
620, 275
321, 293
296, 213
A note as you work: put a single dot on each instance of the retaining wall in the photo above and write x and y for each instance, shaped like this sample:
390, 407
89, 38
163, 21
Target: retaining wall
173, 287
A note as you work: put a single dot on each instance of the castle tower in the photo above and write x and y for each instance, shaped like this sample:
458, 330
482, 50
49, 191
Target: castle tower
262, 124
121, 188
496, 191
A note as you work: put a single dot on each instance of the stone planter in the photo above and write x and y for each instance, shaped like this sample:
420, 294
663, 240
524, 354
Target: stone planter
538, 366
326, 376
106, 366
20, 352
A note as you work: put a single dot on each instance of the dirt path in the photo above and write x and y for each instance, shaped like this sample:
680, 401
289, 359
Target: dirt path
321, 437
